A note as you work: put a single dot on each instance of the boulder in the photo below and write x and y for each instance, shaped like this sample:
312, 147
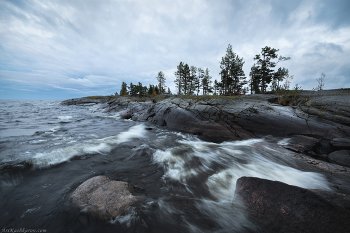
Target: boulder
126, 114
105, 198
341, 157
302, 144
279, 207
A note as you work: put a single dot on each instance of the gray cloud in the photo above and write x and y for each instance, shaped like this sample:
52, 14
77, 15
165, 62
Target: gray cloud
82, 46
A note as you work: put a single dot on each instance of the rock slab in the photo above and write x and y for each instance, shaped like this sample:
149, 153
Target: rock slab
278, 207
341, 143
104, 197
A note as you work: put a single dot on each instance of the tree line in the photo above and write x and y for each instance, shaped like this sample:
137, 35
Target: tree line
140, 90
190, 80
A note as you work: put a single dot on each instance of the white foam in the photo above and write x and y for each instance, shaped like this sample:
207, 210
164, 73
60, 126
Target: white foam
223, 184
37, 141
113, 116
284, 142
174, 165
254, 157
93, 146
63, 118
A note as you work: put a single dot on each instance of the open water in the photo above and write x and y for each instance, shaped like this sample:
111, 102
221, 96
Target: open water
47, 150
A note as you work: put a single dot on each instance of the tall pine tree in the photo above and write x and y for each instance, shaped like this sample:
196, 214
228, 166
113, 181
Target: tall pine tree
206, 82
232, 74
264, 65
161, 82
179, 77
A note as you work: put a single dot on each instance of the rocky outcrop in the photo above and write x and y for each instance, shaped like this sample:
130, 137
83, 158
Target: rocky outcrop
87, 100
105, 198
278, 207
232, 118
226, 118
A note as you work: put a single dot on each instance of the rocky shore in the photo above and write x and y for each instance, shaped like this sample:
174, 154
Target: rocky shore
316, 123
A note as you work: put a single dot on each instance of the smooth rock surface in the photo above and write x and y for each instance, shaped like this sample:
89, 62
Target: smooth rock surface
302, 144
341, 143
105, 198
278, 207
341, 157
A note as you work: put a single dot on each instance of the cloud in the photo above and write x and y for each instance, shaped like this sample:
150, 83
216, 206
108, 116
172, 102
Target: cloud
95, 45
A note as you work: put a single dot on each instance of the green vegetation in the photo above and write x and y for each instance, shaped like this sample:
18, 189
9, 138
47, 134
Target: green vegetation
190, 81
232, 74
262, 73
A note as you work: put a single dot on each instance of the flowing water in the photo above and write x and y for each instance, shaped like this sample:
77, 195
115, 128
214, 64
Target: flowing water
47, 150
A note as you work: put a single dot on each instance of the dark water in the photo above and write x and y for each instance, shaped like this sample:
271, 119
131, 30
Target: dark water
48, 150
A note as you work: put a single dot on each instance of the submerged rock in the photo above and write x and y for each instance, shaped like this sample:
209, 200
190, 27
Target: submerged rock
104, 197
278, 207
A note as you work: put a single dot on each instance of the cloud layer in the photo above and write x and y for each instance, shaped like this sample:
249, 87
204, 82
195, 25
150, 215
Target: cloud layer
64, 49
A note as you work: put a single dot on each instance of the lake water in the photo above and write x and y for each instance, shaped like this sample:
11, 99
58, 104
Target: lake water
47, 150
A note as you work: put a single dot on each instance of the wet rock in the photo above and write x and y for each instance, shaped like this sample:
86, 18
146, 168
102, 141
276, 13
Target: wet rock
302, 144
87, 100
341, 157
339, 199
125, 114
105, 198
323, 147
278, 207
340, 143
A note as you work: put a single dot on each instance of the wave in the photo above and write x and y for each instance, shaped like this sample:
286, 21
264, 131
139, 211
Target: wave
226, 162
95, 146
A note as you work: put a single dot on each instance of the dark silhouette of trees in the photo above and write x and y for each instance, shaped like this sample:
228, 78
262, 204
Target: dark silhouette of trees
179, 77
232, 74
161, 82
124, 88
265, 64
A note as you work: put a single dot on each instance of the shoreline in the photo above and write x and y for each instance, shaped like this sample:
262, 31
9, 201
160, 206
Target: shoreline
316, 123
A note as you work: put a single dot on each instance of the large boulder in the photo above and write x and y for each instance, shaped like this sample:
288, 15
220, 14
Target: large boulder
104, 197
278, 207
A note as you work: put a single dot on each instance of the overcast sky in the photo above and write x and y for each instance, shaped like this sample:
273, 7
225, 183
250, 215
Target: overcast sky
65, 49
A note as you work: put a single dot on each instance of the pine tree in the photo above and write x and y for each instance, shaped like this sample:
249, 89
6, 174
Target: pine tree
232, 74
279, 75
255, 79
265, 63
133, 89
141, 90
186, 75
169, 92
192, 80
206, 82
161, 82
179, 77
150, 90
156, 90
199, 79
123, 90
216, 87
